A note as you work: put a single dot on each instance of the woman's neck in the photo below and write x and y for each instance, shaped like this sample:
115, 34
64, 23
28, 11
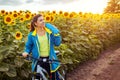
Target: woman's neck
40, 31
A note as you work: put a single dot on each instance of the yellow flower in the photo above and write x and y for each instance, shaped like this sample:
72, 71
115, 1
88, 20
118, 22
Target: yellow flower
54, 12
80, 13
47, 18
15, 15
22, 19
28, 26
8, 19
13, 23
18, 35
66, 14
6, 13
28, 16
2, 12
15, 11
71, 15
20, 11
10, 13
60, 12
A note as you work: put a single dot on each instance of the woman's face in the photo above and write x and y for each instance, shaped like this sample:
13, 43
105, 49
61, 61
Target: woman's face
40, 22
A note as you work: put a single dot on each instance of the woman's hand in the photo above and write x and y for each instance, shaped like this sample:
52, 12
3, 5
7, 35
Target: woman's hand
24, 54
52, 28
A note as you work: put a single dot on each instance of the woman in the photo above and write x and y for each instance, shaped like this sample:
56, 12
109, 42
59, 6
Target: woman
41, 40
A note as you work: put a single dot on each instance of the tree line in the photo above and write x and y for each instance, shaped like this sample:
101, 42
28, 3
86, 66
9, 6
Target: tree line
113, 6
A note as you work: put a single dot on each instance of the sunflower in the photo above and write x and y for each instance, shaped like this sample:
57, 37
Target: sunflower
80, 13
22, 19
28, 26
10, 13
60, 12
71, 15
8, 19
20, 11
47, 18
13, 23
2, 12
66, 14
15, 15
28, 16
54, 12
18, 35
15, 11
6, 13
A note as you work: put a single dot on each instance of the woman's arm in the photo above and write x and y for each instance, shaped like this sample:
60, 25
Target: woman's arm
28, 45
57, 40
55, 34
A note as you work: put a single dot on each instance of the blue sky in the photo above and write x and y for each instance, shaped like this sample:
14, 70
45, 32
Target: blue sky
93, 6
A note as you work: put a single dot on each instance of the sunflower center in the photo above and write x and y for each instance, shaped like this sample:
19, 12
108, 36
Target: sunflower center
60, 12
20, 11
8, 19
10, 13
66, 14
6, 13
2, 11
27, 16
71, 15
21, 19
15, 15
54, 12
47, 18
17, 35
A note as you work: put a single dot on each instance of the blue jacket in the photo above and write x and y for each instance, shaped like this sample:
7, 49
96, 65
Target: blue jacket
32, 45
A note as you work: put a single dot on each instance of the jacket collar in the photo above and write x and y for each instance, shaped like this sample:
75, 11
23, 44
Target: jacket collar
46, 29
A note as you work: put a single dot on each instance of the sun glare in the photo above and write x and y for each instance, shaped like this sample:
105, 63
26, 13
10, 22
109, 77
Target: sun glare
85, 6
93, 6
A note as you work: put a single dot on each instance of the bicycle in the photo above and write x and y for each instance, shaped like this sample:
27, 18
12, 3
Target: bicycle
43, 73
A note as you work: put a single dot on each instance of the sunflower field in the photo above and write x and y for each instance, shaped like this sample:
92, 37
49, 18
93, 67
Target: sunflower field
84, 37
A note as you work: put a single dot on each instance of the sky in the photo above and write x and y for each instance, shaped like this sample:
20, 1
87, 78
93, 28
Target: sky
94, 6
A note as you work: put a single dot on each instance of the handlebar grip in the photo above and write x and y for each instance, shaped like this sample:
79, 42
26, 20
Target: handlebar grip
20, 54
27, 58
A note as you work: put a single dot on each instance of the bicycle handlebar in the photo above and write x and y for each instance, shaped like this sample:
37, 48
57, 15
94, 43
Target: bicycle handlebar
43, 60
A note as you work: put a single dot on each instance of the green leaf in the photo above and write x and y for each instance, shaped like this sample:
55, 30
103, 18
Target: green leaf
84, 44
92, 36
25, 73
77, 61
1, 41
1, 57
7, 53
68, 61
66, 39
18, 62
68, 51
83, 38
12, 71
3, 49
4, 67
